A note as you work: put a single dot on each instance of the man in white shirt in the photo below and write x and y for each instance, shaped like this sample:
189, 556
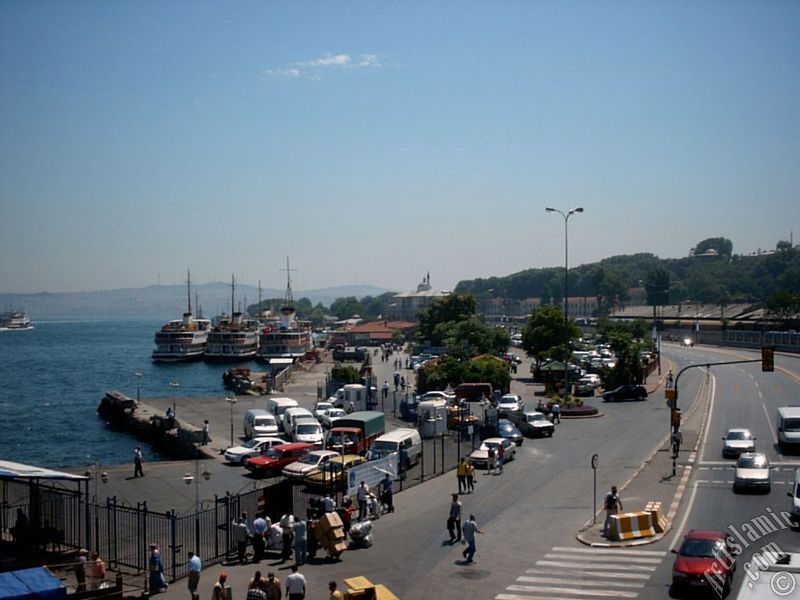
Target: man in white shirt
194, 573
295, 585
361, 495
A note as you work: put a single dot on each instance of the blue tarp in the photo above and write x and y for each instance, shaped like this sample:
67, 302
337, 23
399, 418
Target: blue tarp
31, 584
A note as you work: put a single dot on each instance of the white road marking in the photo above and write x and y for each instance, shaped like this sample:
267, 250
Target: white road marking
769, 423
579, 574
622, 559
591, 566
574, 591
584, 583
609, 551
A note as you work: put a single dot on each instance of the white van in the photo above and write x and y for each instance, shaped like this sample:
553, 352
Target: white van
259, 422
788, 427
794, 513
277, 406
404, 438
308, 431
293, 413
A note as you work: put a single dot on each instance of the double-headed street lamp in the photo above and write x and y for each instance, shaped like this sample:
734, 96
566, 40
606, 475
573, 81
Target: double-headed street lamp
566, 288
174, 385
190, 479
231, 401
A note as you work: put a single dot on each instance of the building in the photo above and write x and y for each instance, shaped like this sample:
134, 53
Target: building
407, 305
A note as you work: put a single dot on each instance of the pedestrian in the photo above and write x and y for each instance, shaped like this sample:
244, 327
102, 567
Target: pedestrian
311, 536
287, 526
205, 432
98, 571
300, 531
194, 573
335, 594
328, 504
470, 529
260, 528
240, 537
470, 477
461, 475
555, 410
137, 462
156, 582
385, 391
501, 456
387, 493
454, 520
351, 408
218, 591
80, 570
272, 587
295, 585
612, 504
491, 456
361, 495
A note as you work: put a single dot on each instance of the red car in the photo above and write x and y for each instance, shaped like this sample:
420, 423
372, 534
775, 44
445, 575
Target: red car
273, 460
704, 561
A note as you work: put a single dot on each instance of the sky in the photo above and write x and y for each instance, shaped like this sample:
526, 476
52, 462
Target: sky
375, 142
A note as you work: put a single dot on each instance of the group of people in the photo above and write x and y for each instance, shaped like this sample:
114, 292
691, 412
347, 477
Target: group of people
95, 571
465, 473
465, 532
269, 588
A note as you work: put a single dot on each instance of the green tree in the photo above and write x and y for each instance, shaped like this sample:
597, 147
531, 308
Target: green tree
723, 246
471, 337
543, 334
453, 371
435, 320
784, 305
345, 308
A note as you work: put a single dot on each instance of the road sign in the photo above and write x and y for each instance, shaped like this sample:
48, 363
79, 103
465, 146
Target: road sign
595, 461
670, 394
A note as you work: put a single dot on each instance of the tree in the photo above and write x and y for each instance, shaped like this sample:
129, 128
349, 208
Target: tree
543, 334
434, 321
452, 371
471, 337
345, 308
657, 286
785, 306
722, 246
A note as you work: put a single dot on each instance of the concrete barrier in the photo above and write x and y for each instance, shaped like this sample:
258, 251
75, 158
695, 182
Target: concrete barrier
629, 526
659, 520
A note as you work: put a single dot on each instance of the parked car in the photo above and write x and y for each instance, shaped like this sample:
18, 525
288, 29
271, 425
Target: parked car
320, 407
330, 415
332, 475
307, 463
507, 429
309, 431
480, 457
532, 423
276, 458
737, 441
794, 513
584, 387
510, 403
250, 448
703, 551
626, 392
752, 473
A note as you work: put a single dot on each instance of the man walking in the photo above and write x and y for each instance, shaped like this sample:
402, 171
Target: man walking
205, 432
387, 493
470, 478
240, 536
137, 462
259, 531
454, 520
194, 574
613, 504
361, 495
295, 585
470, 529
501, 457
461, 475
300, 541
287, 528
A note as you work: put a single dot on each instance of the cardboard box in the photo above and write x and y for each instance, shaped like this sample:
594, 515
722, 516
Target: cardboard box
331, 520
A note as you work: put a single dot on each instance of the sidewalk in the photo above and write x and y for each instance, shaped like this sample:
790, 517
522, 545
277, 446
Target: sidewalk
654, 480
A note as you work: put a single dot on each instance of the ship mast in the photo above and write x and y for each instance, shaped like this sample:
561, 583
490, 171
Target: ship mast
189, 291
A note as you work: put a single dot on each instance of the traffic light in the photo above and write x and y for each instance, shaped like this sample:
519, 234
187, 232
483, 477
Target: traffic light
767, 359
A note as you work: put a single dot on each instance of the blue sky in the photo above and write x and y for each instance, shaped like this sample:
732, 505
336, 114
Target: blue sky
373, 142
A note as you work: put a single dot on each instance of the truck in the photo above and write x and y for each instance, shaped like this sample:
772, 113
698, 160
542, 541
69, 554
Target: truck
345, 353
355, 433
768, 573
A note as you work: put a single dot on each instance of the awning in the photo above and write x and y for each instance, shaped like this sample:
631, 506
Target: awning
12, 470
31, 584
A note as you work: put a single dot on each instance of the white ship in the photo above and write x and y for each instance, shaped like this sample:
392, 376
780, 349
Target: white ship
182, 340
15, 319
232, 338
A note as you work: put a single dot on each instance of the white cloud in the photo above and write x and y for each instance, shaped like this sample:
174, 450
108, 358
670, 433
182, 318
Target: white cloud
282, 72
332, 60
343, 61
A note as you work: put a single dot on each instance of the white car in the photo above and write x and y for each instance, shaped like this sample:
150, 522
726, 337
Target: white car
238, 454
510, 403
308, 431
752, 473
320, 407
309, 462
330, 415
480, 457
736, 442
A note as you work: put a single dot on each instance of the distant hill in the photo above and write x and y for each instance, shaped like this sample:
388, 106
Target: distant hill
162, 301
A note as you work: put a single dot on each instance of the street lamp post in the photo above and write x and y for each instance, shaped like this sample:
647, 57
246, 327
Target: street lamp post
174, 385
231, 400
188, 479
566, 216
138, 385
104, 478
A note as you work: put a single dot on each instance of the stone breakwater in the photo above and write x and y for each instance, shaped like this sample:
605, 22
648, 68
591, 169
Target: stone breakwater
172, 437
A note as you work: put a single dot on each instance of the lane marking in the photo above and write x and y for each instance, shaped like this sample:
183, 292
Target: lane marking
769, 423
622, 559
556, 580
580, 575
606, 552
592, 566
574, 591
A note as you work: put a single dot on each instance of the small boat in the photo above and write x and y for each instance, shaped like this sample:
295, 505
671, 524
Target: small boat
182, 340
15, 320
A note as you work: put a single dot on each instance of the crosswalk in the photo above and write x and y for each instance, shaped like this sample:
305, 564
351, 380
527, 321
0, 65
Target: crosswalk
566, 573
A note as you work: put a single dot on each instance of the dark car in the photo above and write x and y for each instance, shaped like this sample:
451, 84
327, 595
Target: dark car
704, 561
626, 392
507, 429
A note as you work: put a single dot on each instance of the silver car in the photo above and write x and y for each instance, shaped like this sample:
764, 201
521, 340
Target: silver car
737, 441
752, 473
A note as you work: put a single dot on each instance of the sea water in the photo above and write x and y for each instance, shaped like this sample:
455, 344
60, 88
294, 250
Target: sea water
52, 378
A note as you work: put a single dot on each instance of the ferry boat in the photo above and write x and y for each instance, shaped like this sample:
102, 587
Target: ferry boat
182, 340
286, 337
232, 338
15, 319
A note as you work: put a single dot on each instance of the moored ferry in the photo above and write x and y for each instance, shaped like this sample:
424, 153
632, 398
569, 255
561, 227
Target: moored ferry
232, 339
182, 340
15, 319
